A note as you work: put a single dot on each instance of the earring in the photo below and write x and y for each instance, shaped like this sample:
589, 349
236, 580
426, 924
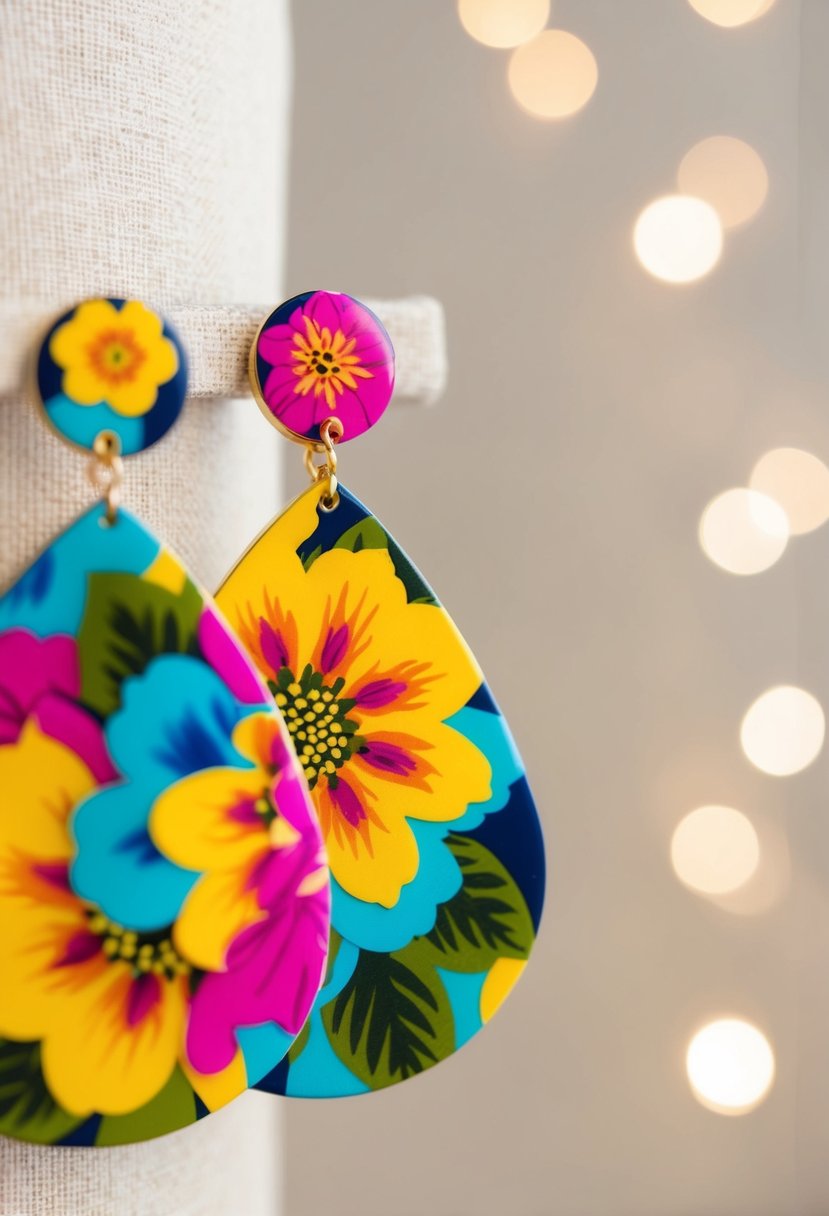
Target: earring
163, 894
433, 840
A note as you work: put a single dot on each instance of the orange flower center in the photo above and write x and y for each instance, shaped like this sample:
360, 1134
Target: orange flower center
325, 361
115, 355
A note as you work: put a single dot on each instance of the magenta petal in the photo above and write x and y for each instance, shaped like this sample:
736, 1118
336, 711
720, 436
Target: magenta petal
388, 758
144, 995
379, 693
81, 947
29, 667
274, 968
332, 310
281, 873
244, 812
273, 647
211, 1033
347, 802
372, 396
56, 873
348, 408
276, 343
228, 660
12, 715
334, 648
294, 804
71, 725
282, 397
282, 388
274, 971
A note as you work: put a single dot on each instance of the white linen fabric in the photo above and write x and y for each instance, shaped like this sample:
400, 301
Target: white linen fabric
218, 342
144, 152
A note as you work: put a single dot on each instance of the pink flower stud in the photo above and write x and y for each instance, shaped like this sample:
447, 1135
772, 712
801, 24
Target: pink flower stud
322, 355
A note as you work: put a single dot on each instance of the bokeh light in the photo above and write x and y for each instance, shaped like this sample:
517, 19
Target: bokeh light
799, 482
730, 1066
553, 75
783, 731
743, 531
503, 22
678, 238
715, 850
731, 12
728, 174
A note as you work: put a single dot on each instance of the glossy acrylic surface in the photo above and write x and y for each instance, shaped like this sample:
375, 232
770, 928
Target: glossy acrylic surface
322, 355
163, 895
432, 836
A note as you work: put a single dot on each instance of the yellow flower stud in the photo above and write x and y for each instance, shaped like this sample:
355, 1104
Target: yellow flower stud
114, 355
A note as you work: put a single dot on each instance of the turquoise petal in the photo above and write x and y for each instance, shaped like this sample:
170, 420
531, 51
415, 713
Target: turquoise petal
175, 719
374, 927
118, 867
260, 1046
318, 1072
465, 998
342, 971
491, 735
51, 595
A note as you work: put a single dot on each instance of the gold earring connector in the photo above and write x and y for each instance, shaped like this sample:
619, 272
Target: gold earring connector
106, 471
325, 473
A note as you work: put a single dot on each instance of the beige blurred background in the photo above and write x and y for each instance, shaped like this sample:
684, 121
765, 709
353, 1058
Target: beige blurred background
553, 499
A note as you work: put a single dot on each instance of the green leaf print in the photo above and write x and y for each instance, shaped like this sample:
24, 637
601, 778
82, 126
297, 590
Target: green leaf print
27, 1109
487, 919
128, 622
393, 1018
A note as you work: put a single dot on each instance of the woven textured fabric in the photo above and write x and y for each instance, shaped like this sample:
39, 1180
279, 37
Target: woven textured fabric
218, 342
142, 147
219, 458
231, 1171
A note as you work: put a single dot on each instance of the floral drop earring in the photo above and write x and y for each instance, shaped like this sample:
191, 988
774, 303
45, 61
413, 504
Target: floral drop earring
163, 895
433, 840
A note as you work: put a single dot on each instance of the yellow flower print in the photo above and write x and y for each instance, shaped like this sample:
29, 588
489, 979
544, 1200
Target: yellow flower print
118, 356
366, 681
109, 1007
236, 825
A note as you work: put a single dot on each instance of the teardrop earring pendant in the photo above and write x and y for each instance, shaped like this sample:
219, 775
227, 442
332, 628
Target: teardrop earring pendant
432, 836
163, 894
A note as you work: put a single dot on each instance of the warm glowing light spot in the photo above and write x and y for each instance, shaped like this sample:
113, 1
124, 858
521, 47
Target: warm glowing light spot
743, 531
731, 12
728, 174
553, 75
503, 22
678, 238
730, 1066
799, 482
783, 731
715, 850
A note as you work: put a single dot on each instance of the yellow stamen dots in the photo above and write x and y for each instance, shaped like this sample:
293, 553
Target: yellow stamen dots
146, 952
317, 718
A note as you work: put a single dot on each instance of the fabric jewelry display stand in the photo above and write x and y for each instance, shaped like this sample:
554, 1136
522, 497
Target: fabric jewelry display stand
144, 152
